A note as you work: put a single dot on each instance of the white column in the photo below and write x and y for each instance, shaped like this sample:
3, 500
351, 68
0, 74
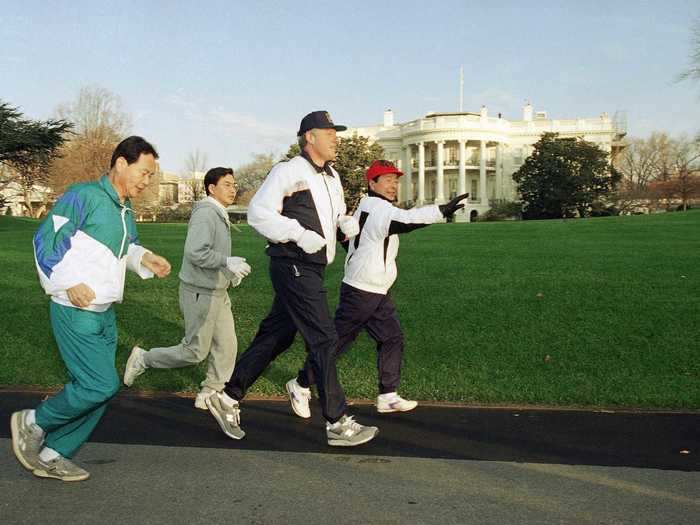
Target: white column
482, 173
421, 173
399, 190
462, 178
499, 171
440, 186
462, 181
408, 183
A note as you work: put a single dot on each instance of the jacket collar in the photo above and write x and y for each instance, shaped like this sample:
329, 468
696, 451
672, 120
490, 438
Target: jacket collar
319, 169
108, 188
220, 208
371, 193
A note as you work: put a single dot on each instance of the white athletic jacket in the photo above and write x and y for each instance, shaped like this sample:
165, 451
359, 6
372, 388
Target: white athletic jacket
295, 197
371, 261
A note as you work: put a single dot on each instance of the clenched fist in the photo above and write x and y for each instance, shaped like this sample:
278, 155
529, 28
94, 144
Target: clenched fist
157, 264
80, 295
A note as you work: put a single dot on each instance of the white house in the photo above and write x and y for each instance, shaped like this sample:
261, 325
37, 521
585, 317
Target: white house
445, 154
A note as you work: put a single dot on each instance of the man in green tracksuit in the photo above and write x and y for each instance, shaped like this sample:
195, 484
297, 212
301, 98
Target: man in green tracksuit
207, 272
82, 251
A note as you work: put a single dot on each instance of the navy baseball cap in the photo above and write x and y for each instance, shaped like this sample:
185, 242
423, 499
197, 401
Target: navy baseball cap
318, 120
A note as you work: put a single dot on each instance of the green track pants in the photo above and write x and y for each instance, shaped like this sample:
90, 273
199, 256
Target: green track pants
88, 343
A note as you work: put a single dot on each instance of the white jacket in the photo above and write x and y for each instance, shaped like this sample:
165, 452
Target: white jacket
295, 197
370, 264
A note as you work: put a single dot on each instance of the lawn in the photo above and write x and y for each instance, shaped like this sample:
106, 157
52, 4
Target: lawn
595, 312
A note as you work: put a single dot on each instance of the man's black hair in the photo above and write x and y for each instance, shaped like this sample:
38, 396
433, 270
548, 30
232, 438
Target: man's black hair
213, 176
131, 148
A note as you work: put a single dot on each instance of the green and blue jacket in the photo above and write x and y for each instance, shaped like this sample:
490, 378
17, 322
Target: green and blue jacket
88, 237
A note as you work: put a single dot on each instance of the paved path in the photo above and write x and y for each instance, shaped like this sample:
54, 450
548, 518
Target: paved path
433, 465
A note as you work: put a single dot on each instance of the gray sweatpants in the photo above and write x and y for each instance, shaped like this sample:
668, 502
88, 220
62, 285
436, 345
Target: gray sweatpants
209, 331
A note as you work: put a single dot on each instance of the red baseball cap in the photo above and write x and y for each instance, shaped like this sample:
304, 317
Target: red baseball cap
381, 167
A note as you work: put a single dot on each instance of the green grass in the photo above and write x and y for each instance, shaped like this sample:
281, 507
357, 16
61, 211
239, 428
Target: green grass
597, 312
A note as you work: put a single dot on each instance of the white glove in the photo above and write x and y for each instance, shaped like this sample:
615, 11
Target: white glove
349, 226
310, 241
233, 278
237, 266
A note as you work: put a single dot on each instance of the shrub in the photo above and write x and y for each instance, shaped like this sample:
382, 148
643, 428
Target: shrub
680, 207
179, 214
502, 211
600, 209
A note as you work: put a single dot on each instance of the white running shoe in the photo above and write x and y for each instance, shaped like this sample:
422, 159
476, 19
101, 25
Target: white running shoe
347, 432
60, 468
228, 417
200, 401
135, 365
392, 402
26, 439
299, 398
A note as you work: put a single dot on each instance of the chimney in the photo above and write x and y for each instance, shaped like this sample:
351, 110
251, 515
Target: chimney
388, 118
527, 112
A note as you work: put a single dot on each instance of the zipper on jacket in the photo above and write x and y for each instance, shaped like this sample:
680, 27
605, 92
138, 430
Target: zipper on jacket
330, 199
121, 248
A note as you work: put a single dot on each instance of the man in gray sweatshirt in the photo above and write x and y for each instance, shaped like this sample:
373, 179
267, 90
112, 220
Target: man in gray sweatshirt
207, 272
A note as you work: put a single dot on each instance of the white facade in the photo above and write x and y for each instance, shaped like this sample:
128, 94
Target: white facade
177, 189
15, 199
446, 154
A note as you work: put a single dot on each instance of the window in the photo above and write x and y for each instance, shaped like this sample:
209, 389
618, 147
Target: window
452, 187
430, 157
451, 156
517, 155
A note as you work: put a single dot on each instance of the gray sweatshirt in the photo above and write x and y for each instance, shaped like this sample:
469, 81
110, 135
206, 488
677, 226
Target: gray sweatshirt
207, 246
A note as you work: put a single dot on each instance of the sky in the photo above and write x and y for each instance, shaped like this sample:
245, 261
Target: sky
234, 78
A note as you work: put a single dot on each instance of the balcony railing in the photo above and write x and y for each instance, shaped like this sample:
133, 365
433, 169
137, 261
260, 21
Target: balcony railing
494, 123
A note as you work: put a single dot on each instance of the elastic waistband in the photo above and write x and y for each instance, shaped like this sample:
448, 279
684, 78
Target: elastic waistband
382, 290
218, 292
305, 264
99, 308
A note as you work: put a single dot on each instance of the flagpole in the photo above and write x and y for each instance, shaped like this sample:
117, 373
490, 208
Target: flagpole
461, 89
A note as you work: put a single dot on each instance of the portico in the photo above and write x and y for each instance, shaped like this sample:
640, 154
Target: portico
453, 167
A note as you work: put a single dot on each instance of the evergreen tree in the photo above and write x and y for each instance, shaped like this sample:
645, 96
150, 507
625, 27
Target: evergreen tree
564, 177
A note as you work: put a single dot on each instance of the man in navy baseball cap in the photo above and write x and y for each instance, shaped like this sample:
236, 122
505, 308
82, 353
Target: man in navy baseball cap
318, 120
299, 208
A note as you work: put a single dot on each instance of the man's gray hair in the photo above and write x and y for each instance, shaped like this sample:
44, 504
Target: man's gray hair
302, 141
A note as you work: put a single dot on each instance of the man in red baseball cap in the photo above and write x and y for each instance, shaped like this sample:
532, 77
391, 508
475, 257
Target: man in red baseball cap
370, 271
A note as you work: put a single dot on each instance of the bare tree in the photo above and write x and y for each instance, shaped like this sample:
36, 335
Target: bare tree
195, 165
642, 162
659, 169
693, 71
688, 171
100, 123
97, 112
147, 203
251, 175
30, 182
684, 181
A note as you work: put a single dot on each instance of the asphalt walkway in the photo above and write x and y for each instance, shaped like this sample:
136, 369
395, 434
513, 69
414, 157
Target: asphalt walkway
158, 460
